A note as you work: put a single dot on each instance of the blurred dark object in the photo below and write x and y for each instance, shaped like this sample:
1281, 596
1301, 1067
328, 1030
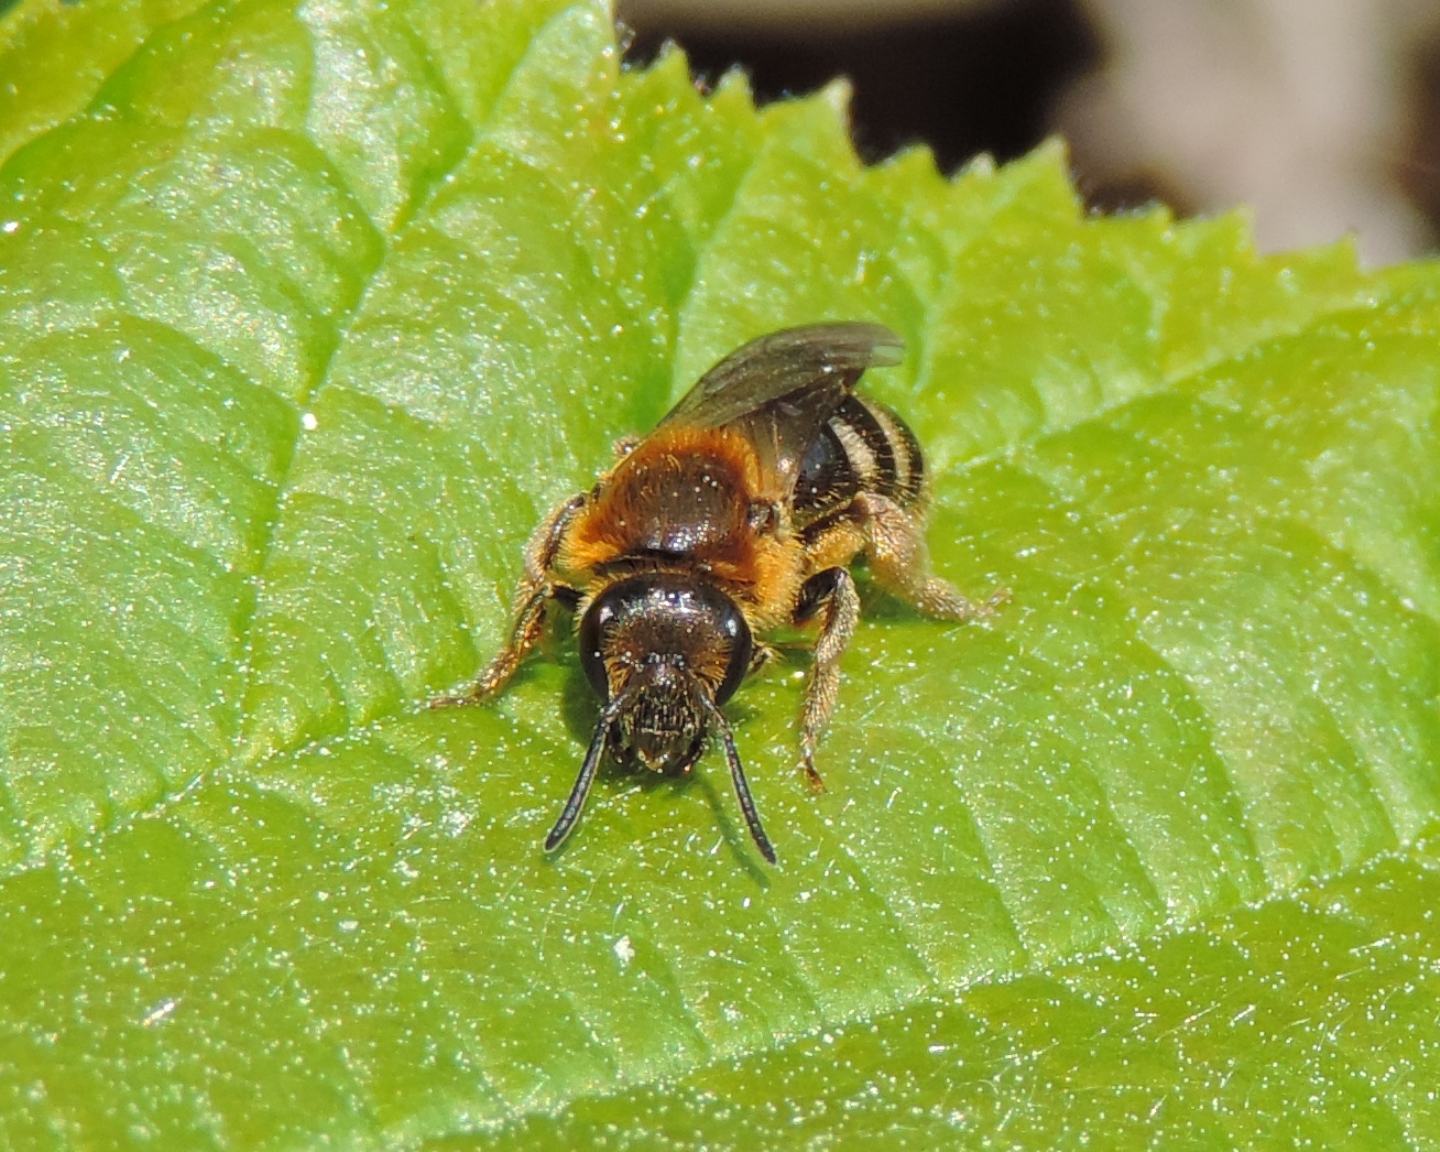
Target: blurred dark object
1419, 171
1322, 115
978, 77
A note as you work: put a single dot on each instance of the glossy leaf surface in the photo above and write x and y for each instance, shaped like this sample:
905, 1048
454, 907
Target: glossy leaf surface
308, 312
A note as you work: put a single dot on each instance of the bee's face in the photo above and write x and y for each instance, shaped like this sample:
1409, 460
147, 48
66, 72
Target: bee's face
662, 728
673, 649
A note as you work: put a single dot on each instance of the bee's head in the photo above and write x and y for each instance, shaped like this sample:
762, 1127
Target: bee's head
665, 650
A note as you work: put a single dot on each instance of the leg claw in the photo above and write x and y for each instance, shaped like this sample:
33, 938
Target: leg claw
998, 599
812, 777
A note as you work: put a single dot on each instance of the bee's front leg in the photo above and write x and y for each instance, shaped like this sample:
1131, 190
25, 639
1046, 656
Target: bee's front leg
831, 596
762, 654
536, 590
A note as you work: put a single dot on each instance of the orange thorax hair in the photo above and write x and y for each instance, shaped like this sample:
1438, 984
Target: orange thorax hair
685, 499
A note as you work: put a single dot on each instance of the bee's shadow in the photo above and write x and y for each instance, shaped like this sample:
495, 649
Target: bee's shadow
579, 706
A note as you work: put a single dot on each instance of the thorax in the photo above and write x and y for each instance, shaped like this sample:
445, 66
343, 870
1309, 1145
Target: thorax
689, 500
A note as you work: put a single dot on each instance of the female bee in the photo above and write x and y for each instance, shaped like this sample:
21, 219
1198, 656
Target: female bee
739, 514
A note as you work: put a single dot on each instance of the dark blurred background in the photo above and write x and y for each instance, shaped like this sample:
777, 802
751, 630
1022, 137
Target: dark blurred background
1322, 115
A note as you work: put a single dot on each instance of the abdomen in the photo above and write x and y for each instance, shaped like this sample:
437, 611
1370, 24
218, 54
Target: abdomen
864, 447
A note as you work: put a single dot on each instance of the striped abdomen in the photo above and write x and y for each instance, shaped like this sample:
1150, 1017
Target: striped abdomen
864, 447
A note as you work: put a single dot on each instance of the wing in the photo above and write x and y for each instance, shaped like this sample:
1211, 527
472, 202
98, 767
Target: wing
780, 389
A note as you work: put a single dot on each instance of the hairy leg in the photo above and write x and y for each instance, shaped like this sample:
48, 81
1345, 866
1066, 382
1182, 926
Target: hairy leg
829, 595
535, 592
901, 563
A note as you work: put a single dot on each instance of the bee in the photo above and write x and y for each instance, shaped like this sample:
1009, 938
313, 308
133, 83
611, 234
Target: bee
741, 513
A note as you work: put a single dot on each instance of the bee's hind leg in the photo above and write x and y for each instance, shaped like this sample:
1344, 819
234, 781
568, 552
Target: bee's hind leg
831, 596
900, 562
531, 598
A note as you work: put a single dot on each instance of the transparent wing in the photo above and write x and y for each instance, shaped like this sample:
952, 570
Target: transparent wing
780, 389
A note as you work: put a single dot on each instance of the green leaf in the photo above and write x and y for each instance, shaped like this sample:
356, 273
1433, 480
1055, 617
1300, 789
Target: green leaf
307, 313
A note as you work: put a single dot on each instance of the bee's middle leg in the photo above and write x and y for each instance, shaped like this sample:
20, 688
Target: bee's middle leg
831, 596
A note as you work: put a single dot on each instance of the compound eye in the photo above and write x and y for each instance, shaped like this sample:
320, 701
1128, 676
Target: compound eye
732, 623
592, 632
